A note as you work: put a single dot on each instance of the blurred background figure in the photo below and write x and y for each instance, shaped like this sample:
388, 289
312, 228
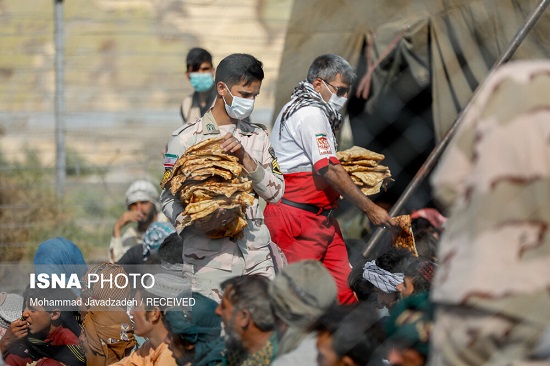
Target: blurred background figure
200, 72
60, 256
300, 294
10, 310
349, 335
107, 331
491, 287
153, 238
408, 331
194, 333
143, 208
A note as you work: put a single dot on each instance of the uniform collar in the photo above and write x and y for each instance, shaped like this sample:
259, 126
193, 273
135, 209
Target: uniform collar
210, 126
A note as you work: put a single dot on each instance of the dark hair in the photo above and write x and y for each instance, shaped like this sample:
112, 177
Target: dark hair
426, 245
239, 67
250, 292
392, 261
356, 332
196, 56
421, 272
68, 313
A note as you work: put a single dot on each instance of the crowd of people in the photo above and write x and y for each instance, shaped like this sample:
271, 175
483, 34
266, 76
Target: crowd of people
283, 292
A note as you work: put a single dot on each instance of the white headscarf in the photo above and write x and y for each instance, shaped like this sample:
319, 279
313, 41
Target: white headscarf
382, 279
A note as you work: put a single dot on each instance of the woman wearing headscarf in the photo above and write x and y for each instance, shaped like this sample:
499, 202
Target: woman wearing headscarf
107, 332
195, 333
61, 256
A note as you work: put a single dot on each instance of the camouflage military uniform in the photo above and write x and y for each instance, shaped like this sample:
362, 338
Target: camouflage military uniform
208, 262
492, 286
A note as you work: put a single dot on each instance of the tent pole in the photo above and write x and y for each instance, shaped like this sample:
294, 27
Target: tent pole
432, 159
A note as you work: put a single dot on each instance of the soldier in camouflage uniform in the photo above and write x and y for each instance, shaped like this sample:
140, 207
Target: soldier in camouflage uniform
492, 286
208, 262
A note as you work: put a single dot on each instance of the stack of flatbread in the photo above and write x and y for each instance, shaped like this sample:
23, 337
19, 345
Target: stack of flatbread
208, 180
364, 168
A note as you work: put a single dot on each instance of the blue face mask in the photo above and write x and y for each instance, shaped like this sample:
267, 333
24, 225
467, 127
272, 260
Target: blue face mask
201, 81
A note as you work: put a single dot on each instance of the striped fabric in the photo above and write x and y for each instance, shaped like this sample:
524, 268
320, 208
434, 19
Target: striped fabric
382, 279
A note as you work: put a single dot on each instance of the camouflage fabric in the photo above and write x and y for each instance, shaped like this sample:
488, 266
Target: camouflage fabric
495, 176
207, 262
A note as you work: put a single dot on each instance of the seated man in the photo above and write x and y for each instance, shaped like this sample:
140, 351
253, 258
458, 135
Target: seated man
248, 321
148, 322
41, 334
142, 201
194, 332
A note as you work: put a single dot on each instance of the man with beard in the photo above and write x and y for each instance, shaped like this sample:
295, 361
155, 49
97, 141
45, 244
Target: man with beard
142, 201
248, 320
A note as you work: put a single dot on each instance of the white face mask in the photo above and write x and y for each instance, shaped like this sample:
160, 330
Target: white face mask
335, 101
240, 108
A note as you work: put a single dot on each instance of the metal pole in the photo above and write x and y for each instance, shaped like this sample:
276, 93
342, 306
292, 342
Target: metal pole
60, 158
432, 159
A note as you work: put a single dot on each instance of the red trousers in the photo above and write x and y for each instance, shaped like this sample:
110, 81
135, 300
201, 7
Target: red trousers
304, 235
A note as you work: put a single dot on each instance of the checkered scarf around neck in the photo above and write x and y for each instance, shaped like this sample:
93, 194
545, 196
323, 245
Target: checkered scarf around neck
382, 279
305, 96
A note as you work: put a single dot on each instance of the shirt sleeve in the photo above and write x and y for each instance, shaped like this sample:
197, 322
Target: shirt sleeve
267, 179
314, 135
171, 205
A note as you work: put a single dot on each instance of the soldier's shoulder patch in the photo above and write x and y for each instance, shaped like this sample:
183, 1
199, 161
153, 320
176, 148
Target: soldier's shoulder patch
275, 168
166, 177
170, 160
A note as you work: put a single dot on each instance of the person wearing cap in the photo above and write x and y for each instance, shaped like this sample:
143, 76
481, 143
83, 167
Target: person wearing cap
300, 294
148, 321
10, 310
194, 332
143, 208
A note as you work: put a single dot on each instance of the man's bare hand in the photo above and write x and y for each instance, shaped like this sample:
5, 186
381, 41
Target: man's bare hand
232, 145
380, 217
126, 218
18, 329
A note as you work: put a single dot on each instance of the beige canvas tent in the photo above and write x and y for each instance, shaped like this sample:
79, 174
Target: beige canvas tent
450, 44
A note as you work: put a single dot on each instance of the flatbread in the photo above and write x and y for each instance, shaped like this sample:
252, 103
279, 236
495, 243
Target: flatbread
404, 238
364, 168
369, 178
208, 172
358, 153
211, 145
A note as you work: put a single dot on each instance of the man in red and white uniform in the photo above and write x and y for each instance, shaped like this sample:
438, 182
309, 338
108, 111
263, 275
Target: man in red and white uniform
303, 137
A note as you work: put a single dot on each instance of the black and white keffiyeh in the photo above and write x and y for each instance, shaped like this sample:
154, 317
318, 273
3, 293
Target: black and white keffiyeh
305, 96
382, 279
